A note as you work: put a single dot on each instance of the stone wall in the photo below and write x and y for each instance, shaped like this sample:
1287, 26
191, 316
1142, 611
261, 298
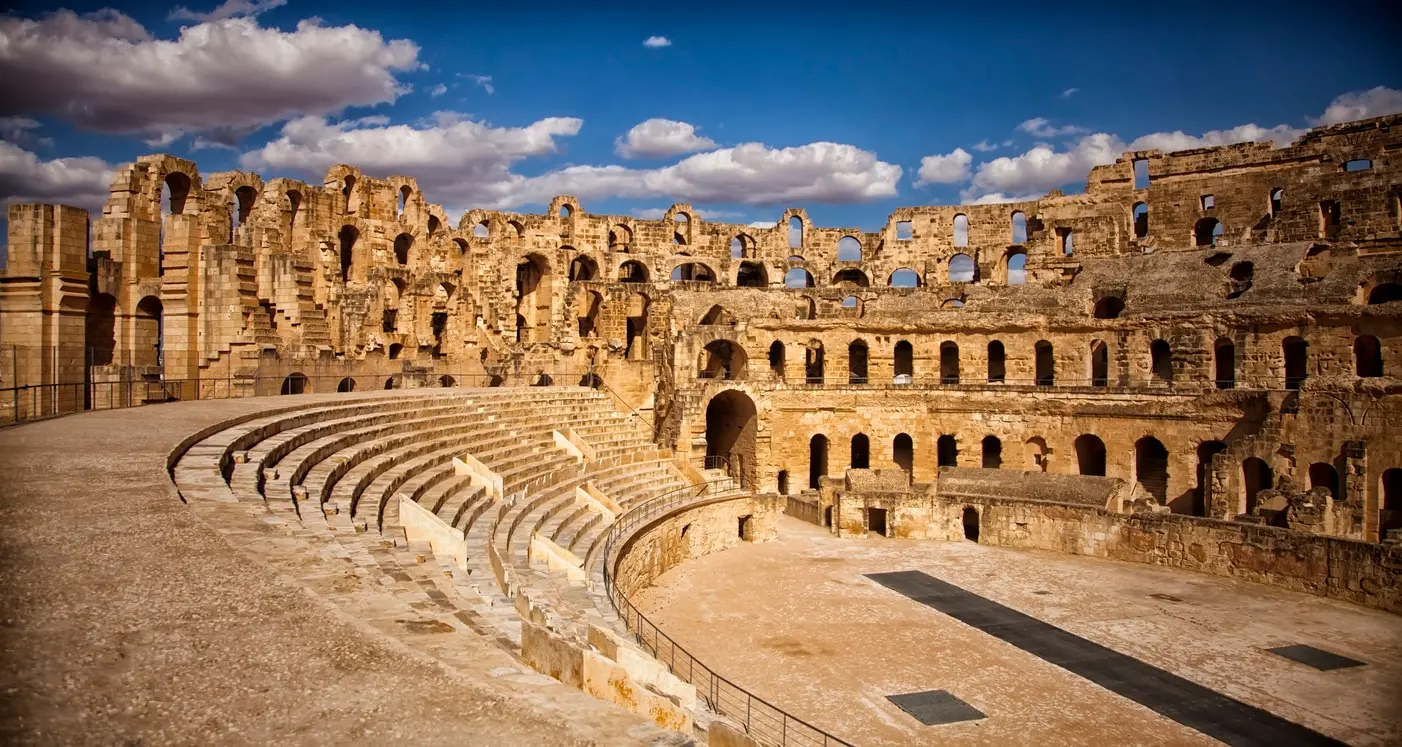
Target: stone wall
693, 532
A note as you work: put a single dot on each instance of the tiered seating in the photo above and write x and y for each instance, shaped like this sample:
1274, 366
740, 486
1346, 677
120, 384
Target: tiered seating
332, 473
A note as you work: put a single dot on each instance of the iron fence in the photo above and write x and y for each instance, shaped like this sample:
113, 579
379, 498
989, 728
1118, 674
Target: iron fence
761, 720
937, 383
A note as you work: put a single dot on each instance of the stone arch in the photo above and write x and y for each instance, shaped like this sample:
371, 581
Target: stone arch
731, 428
1099, 363
346, 384
632, 271
148, 341
858, 359
798, 277
717, 316
591, 305
1256, 476
861, 452
752, 275
817, 459
1036, 453
722, 359
947, 451
295, 383
849, 277
997, 362
949, 362
962, 269
904, 362
1224, 363
1151, 467
534, 298
1090, 455
903, 452
904, 277
583, 268
692, 271
403, 243
992, 452
849, 249
1045, 363
1161, 362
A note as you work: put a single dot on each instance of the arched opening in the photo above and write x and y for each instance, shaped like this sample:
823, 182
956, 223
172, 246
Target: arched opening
1019, 221
971, 524
1224, 363
1046, 364
861, 451
1036, 452
904, 362
752, 275
992, 453
817, 460
1017, 268
905, 277
394, 350
1323, 475
620, 236
148, 348
947, 451
949, 362
997, 362
798, 277
1256, 476
851, 277
544, 379
1202, 493
693, 272
737, 247
1385, 293
1367, 357
294, 204
813, 363
244, 199
591, 380
583, 268
566, 211
533, 299
591, 305
636, 327
730, 434
345, 385
1141, 220
903, 452
347, 237
495, 380
100, 332
461, 246
1099, 364
852, 303
1109, 307
961, 269
1067, 241
403, 200
961, 230
348, 192
1090, 455
1206, 232
1296, 352
1161, 362
776, 359
849, 249
391, 383
1276, 199
722, 359
717, 316
402, 243
1390, 505
481, 230
175, 192
295, 383
783, 482
795, 232
1151, 467
632, 271
857, 355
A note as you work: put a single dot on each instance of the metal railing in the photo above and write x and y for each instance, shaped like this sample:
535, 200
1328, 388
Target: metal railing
942, 383
761, 720
42, 401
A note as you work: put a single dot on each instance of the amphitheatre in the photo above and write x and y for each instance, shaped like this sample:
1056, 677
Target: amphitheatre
316, 463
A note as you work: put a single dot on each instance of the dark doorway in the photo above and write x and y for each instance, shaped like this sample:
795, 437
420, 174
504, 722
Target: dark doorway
1296, 353
730, 434
346, 385
949, 363
876, 521
1323, 475
947, 452
783, 482
1151, 467
861, 452
294, 384
997, 362
1367, 357
857, 363
992, 452
817, 460
903, 452
743, 527
1202, 494
1224, 352
1256, 476
827, 516
1046, 364
1099, 364
1390, 511
1090, 455
1161, 362
905, 359
971, 523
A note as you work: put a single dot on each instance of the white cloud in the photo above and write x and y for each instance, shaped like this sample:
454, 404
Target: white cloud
1068, 93
230, 9
1375, 102
983, 146
947, 169
24, 177
704, 214
1039, 127
465, 163
993, 198
1043, 168
16, 130
658, 138
483, 81
104, 72
654, 42
764, 224
1168, 142
437, 90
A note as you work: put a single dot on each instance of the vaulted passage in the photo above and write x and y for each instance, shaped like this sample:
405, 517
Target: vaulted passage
817, 460
730, 434
1151, 467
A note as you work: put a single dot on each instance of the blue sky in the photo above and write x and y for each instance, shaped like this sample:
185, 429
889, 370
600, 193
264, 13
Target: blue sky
849, 114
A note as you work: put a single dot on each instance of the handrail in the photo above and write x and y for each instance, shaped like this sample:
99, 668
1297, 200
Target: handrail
760, 719
651, 426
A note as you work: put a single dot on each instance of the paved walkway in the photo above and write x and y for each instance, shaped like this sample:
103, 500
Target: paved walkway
125, 619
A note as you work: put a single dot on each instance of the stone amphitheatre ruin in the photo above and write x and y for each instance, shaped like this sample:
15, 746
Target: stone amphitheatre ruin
634, 455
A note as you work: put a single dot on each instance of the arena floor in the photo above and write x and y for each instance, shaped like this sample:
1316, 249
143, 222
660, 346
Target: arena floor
799, 623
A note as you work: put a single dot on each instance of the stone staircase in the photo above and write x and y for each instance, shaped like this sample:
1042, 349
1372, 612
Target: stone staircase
338, 474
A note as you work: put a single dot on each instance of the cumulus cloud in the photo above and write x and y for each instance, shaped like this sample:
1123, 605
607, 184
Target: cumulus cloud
437, 90
1039, 127
654, 42
1068, 93
968, 197
230, 9
1043, 167
947, 169
24, 177
1375, 102
224, 78
483, 81
1168, 142
658, 138
983, 146
764, 224
466, 163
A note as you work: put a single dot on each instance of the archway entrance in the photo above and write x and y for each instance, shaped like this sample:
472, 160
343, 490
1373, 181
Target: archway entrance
817, 460
730, 435
1151, 467
971, 523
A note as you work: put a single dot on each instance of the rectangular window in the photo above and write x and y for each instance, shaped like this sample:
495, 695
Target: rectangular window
391, 321
1141, 173
1208, 202
1329, 219
904, 232
1358, 164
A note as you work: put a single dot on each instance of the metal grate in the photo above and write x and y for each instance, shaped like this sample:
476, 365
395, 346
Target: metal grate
1315, 657
935, 707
